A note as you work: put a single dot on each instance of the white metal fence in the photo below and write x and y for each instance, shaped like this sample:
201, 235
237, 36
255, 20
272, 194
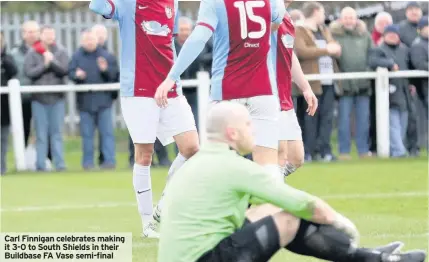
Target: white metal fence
202, 83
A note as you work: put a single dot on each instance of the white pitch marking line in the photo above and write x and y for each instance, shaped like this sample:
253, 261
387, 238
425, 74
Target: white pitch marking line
125, 204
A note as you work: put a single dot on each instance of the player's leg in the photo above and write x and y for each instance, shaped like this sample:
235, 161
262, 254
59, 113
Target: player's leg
177, 121
265, 111
291, 148
328, 243
142, 130
257, 241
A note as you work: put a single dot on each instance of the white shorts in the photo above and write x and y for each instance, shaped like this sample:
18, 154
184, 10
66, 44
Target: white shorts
146, 121
289, 126
264, 111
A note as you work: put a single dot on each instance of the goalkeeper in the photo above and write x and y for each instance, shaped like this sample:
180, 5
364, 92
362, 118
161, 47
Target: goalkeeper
206, 208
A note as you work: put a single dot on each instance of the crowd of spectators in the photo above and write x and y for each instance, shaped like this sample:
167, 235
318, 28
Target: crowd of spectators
345, 45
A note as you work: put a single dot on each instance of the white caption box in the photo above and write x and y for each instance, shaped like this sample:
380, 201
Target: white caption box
85, 247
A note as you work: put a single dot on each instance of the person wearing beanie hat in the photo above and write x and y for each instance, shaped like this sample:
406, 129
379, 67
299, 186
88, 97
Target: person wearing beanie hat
394, 55
419, 60
391, 29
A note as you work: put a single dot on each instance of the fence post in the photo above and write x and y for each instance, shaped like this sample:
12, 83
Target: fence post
382, 112
71, 112
203, 93
17, 125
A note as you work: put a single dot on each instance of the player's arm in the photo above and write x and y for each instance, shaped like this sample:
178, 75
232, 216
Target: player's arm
278, 11
207, 22
256, 181
109, 9
298, 76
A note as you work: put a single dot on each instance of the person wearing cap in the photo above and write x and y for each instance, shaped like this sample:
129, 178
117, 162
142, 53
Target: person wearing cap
419, 59
408, 32
394, 55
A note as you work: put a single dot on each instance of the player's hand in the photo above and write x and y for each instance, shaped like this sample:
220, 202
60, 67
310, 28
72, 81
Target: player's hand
102, 64
344, 224
161, 94
311, 100
395, 67
80, 74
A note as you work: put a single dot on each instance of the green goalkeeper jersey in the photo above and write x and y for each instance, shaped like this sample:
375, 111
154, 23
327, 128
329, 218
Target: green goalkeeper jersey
207, 198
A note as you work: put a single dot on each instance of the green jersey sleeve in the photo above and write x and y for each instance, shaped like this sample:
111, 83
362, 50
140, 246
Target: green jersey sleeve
253, 179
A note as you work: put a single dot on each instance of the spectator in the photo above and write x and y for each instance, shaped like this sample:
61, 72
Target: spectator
316, 50
408, 32
91, 64
30, 33
382, 20
419, 59
46, 64
394, 55
102, 34
297, 16
8, 71
356, 43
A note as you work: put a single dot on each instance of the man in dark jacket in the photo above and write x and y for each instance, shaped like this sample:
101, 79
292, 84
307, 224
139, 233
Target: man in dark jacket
394, 55
92, 64
419, 59
8, 71
102, 35
408, 32
47, 64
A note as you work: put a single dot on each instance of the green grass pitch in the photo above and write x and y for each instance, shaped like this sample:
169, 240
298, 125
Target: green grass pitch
387, 199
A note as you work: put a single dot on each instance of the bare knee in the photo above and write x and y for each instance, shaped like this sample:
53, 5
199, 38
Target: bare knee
257, 213
143, 154
265, 155
296, 160
189, 150
188, 143
296, 155
287, 226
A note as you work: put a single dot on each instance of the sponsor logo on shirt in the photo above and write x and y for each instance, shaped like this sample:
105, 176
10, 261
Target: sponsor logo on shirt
155, 28
169, 12
251, 45
288, 40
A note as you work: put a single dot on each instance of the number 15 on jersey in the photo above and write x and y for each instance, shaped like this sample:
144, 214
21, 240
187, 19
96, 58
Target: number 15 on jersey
246, 11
